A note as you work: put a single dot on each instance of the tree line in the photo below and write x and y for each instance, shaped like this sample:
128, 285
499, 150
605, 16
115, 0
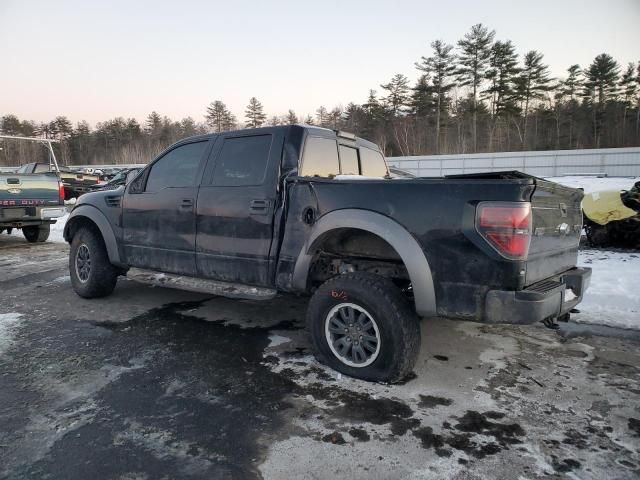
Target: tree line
478, 95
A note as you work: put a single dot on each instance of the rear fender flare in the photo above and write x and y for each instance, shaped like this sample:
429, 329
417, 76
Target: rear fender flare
99, 219
393, 233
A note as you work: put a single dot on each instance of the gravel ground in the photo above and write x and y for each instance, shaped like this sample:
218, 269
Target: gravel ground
159, 383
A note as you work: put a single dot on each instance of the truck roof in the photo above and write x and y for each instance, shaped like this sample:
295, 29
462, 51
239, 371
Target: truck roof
309, 129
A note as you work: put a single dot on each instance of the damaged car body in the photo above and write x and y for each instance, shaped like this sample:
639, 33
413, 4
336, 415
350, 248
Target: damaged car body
308, 210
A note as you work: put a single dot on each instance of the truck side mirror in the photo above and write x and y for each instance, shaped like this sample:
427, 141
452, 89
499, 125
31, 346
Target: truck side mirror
137, 185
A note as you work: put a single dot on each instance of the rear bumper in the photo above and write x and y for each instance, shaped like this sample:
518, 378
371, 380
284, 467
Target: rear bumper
550, 298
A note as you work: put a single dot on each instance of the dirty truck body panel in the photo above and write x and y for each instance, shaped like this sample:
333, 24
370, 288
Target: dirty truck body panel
244, 207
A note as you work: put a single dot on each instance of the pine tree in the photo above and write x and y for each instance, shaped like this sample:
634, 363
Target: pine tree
502, 76
335, 117
441, 68
422, 98
153, 125
601, 86
398, 97
10, 125
533, 83
322, 115
473, 62
254, 113
629, 87
308, 120
292, 119
219, 117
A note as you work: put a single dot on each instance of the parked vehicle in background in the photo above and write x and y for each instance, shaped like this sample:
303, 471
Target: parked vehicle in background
31, 201
313, 211
612, 218
119, 179
75, 183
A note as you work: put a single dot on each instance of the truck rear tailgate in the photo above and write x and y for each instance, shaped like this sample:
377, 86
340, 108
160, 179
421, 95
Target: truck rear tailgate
557, 225
29, 190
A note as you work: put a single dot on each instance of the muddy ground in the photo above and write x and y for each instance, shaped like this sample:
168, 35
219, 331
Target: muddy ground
153, 383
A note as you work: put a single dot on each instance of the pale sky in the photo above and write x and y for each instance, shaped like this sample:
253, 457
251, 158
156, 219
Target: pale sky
92, 60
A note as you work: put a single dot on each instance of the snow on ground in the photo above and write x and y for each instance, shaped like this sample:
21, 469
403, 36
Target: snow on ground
612, 299
596, 184
8, 323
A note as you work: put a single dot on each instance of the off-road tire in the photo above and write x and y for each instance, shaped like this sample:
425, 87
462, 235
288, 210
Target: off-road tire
36, 233
102, 275
398, 325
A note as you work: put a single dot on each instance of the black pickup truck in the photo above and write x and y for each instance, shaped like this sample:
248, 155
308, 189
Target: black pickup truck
313, 211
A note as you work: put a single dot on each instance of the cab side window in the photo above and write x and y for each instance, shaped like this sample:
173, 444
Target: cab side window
178, 168
242, 161
320, 158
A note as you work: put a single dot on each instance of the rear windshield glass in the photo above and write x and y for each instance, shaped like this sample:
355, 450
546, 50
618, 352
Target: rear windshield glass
348, 161
372, 163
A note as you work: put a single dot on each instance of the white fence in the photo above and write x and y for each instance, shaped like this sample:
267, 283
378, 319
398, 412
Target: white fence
609, 161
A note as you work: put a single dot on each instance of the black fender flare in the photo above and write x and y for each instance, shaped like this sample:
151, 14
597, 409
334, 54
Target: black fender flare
98, 218
393, 233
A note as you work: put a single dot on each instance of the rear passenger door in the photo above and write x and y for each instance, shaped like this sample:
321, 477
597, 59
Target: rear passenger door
235, 209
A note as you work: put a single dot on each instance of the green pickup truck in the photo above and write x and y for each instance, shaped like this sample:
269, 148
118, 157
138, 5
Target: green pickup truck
31, 202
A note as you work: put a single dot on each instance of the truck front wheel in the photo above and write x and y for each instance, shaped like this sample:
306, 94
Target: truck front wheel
363, 326
36, 233
92, 275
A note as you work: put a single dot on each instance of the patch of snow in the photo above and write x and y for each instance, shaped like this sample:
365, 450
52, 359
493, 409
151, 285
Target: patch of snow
276, 340
595, 184
612, 297
63, 279
57, 229
8, 323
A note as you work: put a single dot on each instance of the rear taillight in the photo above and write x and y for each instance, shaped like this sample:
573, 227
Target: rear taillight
506, 227
61, 192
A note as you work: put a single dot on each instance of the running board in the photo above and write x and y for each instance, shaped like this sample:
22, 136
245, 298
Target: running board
200, 285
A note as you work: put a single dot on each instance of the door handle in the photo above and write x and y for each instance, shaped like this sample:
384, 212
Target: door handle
259, 207
186, 203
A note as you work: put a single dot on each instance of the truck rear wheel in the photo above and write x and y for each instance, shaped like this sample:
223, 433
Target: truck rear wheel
92, 275
36, 233
363, 326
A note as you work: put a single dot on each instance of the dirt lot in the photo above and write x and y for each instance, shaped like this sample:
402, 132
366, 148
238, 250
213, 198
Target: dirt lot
156, 383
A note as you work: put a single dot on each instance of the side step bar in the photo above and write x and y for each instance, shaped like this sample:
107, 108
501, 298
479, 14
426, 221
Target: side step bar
200, 285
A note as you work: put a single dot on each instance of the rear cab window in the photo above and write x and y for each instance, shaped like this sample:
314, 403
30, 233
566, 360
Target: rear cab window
372, 163
320, 158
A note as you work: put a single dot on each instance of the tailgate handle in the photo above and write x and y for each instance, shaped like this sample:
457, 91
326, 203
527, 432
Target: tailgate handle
13, 181
563, 209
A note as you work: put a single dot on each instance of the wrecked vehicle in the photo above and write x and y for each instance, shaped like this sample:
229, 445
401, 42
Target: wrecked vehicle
612, 218
308, 210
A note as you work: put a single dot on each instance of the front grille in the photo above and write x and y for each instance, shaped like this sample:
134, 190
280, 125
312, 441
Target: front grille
544, 287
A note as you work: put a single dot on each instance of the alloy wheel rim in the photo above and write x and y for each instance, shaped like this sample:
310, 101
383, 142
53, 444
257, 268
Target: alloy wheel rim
353, 335
83, 263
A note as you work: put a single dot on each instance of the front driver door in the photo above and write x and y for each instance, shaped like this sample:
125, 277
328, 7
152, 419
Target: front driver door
158, 216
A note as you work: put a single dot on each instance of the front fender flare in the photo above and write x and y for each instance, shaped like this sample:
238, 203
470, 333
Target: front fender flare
393, 233
99, 219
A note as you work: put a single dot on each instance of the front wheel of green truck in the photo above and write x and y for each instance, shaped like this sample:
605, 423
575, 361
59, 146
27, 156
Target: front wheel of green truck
362, 325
